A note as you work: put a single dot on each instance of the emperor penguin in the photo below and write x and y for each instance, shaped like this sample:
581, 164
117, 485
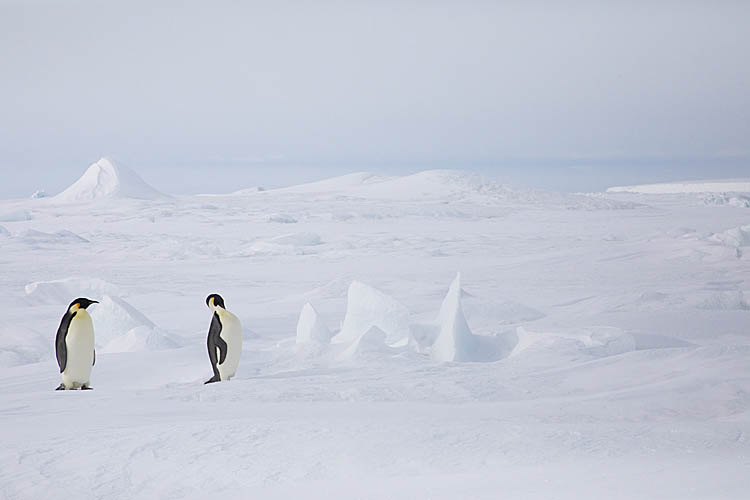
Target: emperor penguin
224, 340
74, 346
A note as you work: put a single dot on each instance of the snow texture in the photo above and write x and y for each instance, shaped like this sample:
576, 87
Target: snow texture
600, 349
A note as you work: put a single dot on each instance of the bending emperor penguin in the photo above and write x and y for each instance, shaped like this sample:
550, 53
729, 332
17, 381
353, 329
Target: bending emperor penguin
224, 340
74, 346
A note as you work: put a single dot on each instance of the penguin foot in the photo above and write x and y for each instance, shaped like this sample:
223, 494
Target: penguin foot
212, 380
86, 388
60, 387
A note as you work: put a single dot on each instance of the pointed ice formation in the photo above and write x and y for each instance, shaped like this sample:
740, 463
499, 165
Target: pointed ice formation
106, 179
310, 327
367, 307
455, 342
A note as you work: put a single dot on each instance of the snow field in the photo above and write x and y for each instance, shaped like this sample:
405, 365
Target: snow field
593, 346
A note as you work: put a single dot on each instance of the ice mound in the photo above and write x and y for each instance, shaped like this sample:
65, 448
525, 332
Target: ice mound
455, 342
35, 238
248, 191
106, 179
294, 243
15, 216
63, 291
574, 344
310, 327
738, 200
4, 232
120, 327
716, 186
281, 219
445, 185
736, 237
367, 307
371, 345
39, 193
341, 183
297, 239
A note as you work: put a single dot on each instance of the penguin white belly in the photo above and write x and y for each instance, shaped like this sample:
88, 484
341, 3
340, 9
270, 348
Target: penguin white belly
79, 343
231, 333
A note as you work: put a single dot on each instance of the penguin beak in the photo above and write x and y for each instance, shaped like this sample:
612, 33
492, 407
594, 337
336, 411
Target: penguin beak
94, 301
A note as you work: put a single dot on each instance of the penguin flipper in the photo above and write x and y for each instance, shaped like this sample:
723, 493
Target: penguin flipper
215, 342
223, 349
94, 363
61, 350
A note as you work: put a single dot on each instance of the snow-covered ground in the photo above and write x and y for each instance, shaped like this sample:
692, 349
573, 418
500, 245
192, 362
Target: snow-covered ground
593, 346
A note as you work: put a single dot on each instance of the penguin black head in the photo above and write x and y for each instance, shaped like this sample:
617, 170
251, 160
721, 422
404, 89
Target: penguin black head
215, 300
81, 303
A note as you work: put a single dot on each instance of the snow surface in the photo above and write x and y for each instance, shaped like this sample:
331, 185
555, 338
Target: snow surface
107, 179
609, 334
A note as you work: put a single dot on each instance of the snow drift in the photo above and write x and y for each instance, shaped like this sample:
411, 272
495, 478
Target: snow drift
20, 345
15, 216
573, 344
106, 179
120, 327
65, 290
35, 238
293, 243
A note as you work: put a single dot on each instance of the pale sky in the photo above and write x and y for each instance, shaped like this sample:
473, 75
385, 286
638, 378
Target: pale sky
215, 96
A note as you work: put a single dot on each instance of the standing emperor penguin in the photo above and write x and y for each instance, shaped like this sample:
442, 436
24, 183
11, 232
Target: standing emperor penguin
74, 346
224, 340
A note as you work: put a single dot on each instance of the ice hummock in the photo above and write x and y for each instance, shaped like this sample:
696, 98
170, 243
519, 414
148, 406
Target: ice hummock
107, 179
455, 342
367, 307
310, 327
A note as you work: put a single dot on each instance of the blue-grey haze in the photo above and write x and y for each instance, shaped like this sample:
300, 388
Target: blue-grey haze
215, 96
